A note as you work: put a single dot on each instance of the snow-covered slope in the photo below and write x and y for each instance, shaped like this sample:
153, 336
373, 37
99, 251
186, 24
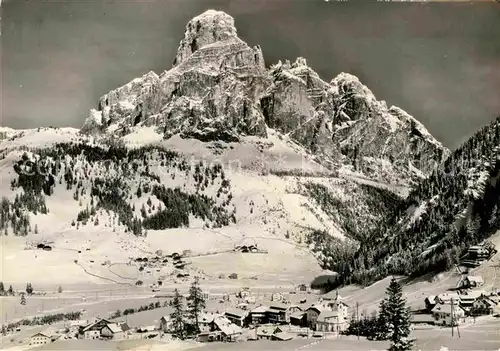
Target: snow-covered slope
222, 193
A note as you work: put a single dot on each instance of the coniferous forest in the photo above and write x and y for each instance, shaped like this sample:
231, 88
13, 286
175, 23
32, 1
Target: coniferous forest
456, 207
111, 176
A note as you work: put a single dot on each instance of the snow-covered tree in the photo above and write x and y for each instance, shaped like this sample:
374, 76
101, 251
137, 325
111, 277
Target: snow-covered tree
196, 301
29, 288
178, 315
395, 318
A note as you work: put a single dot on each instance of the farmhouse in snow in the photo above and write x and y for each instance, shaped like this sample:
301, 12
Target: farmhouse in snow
41, 338
485, 305
444, 314
469, 282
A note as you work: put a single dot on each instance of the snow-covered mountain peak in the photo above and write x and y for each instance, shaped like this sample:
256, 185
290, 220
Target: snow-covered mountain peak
349, 84
207, 28
219, 89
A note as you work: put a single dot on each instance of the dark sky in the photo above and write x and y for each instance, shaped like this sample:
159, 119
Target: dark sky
440, 62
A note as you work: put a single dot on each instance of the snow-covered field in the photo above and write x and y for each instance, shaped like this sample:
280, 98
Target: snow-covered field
125, 345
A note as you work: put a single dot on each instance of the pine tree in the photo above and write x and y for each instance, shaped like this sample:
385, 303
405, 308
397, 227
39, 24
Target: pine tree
196, 302
382, 329
2, 289
397, 318
29, 288
493, 218
10, 291
23, 300
178, 315
473, 225
36, 228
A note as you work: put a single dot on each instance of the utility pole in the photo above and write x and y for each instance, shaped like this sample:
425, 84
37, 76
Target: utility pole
452, 321
357, 318
458, 329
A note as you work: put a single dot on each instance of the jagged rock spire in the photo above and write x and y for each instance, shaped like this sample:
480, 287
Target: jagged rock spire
209, 27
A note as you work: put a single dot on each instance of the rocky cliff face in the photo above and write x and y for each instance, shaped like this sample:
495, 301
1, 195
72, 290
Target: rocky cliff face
212, 91
219, 89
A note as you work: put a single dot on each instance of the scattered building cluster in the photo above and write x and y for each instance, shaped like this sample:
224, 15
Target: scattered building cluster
478, 254
453, 308
278, 320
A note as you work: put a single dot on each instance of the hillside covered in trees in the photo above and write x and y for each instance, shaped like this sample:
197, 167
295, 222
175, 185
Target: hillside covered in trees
113, 178
456, 207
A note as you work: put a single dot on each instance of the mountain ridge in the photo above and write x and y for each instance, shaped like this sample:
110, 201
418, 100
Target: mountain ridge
219, 89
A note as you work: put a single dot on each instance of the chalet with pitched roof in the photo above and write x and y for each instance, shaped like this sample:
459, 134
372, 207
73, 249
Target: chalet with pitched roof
228, 331
92, 330
444, 314
280, 312
41, 338
312, 314
113, 331
485, 305
331, 321
299, 318
238, 317
430, 302
470, 281
258, 315
467, 300
266, 332
446, 298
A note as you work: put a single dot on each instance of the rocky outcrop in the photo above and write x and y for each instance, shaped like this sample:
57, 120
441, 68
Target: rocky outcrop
219, 89
212, 91
344, 123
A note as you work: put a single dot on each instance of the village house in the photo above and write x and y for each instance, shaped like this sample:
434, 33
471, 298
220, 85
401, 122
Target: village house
446, 298
265, 332
277, 297
482, 251
41, 338
430, 302
422, 319
113, 331
485, 305
444, 314
228, 330
312, 314
280, 313
330, 321
302, 288
221, 329
470, 281
105, 329
237, 317
206, 322
298, 318
93, 329
245, 292
258, 315
333, 302
467, 300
